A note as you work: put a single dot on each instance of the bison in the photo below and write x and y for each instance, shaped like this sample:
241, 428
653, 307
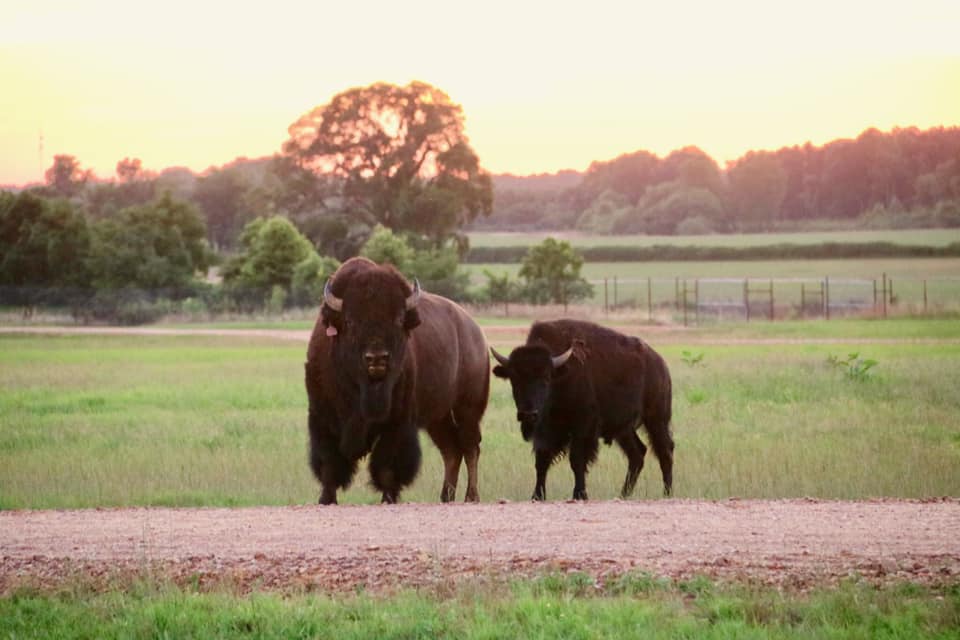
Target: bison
576, 382
384, 359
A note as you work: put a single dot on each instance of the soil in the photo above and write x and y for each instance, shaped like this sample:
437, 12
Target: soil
792, 544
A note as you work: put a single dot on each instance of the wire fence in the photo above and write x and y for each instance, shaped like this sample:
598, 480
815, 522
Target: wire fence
693, 301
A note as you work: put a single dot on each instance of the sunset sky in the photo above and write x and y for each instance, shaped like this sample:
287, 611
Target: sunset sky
544, 85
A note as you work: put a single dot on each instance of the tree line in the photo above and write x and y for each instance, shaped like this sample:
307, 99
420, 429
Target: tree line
905, 178
387, 171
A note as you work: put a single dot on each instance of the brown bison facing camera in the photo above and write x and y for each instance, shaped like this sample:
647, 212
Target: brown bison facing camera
384, 359
576, 382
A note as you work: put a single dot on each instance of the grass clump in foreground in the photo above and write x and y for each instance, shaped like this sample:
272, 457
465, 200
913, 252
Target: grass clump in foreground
554, 606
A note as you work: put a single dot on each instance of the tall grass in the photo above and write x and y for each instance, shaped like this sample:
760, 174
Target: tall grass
129, 420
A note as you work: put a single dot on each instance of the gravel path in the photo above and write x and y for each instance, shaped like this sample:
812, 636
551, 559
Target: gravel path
795, 544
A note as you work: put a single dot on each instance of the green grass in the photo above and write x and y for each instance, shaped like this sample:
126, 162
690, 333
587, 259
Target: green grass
923, 237
895, 268
132, 420
942, 276
553, 606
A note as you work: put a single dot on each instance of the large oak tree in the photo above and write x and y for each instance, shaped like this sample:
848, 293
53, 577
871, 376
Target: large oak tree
400, 156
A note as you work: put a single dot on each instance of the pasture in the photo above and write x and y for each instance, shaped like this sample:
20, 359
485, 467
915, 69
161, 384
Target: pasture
851, 281
919, 237
759, 411
219, 420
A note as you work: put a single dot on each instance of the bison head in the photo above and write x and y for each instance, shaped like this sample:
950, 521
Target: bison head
369, 310
530, 370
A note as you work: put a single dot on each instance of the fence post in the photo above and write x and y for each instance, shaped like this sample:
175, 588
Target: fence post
676, 292
615, 297
826, 297
746, 297
771, 299
684, 303
606, 302
696, 301
924, 296
649, 302
884, 295
874, 295
803, 300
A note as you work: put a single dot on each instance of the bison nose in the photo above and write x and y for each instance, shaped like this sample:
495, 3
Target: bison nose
376, 363
527, 416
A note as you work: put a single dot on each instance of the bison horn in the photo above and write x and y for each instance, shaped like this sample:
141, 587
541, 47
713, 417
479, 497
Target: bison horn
560, 360
502, 360
414, 297
331, 300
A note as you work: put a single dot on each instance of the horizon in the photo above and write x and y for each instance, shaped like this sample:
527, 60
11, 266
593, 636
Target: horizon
543, 89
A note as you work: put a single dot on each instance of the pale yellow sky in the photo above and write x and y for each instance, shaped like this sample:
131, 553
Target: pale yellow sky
544, 85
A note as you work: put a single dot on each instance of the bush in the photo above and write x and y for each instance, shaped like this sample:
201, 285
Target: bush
309, 278
127, 307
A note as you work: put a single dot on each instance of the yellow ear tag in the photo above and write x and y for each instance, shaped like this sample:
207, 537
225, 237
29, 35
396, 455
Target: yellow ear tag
331, 331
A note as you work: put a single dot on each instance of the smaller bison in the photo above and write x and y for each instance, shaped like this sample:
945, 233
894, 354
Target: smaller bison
576, 382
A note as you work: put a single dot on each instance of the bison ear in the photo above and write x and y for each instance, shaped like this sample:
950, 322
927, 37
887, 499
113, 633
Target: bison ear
331, 318
501, 372
411, 319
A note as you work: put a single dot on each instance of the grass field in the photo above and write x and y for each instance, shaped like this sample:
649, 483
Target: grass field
148, 420
554, 606
920, 237
851, 280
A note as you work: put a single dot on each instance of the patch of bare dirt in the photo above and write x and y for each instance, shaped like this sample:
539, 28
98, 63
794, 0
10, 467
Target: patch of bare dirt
796, 544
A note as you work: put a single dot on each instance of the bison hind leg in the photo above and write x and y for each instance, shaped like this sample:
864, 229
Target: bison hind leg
662, 443
457, 436
635, 451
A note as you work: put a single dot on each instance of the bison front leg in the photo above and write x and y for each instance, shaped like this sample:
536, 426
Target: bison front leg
582, 453
394, 463
331, 468
544, 460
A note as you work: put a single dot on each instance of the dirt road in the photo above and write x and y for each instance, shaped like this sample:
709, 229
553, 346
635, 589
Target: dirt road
790, 543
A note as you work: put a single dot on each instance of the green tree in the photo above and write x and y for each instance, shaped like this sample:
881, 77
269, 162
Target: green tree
551, 273
384, 247
158, 247
43, 246
437, 268
309, 277
400, 156
271, 249
501, 289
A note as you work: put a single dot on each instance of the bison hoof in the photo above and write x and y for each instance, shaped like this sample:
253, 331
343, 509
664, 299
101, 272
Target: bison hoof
580, 495
539, 496
325, 499
388, 498
472, 496
448, 493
